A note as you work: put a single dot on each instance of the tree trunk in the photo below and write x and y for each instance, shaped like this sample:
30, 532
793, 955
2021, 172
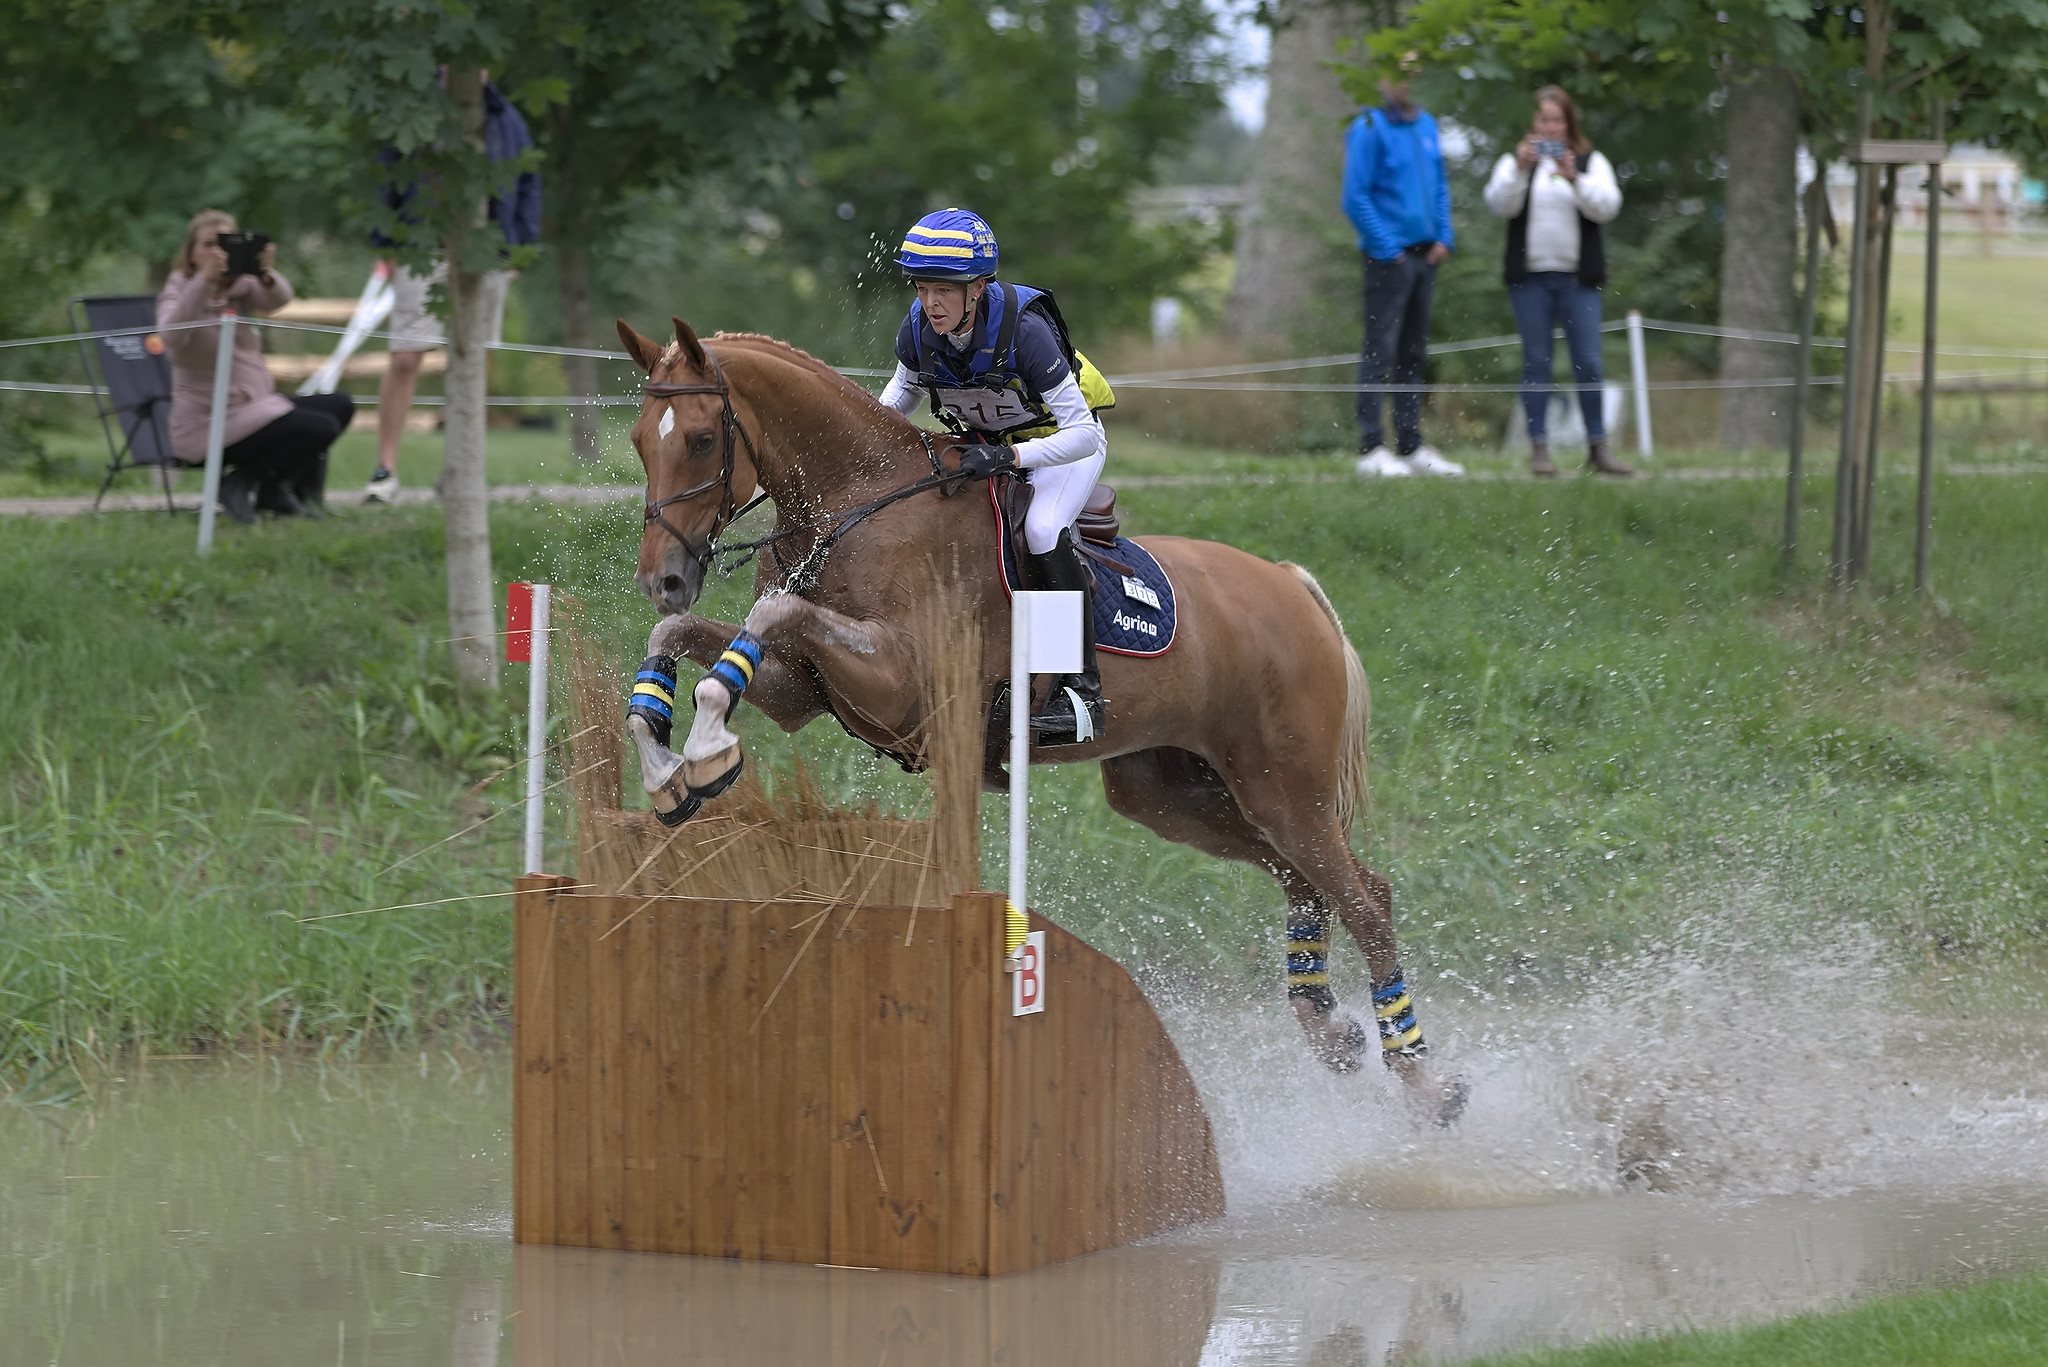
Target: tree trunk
465, 489
586, 432
1759, 253
1290, 242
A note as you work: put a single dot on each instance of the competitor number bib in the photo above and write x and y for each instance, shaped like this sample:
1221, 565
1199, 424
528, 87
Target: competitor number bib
987, 409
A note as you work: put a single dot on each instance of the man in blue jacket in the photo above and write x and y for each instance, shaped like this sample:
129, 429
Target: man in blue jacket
1396, 195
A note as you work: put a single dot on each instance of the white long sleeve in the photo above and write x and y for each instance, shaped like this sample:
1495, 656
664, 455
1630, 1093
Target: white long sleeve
1507, 189
1080, 435
902, 393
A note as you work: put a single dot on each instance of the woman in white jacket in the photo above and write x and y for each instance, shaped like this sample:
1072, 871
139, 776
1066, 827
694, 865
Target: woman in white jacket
1556, 191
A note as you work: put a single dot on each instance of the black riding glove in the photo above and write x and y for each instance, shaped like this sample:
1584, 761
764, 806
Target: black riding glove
980, 462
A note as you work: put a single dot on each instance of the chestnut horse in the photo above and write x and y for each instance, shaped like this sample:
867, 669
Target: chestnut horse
1247, 740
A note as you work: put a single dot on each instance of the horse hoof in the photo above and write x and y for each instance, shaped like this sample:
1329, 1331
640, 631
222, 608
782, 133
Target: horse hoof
1456, 1093
673, 806
704, 792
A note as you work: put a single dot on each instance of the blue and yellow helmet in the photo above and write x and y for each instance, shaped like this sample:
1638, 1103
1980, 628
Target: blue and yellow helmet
951, 244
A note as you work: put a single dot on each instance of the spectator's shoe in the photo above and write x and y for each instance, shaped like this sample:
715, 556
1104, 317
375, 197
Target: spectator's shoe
1380, 463
238, 496
382, 488
1427, 460
1599, 460
278, 496
1539, 461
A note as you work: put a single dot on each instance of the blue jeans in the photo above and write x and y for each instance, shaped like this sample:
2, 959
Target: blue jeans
1545, 299
1397, 299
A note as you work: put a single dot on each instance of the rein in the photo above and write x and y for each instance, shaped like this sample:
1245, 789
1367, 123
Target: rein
806, 571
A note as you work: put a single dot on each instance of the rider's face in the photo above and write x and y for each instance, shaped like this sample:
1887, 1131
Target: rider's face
948, 304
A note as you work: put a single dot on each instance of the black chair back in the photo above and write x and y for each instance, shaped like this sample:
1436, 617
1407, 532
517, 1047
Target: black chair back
133, 374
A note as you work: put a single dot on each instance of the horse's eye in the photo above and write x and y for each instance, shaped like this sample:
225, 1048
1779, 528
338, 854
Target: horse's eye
700, 443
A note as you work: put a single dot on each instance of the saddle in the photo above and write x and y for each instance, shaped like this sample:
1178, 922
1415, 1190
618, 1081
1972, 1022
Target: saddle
1098, 523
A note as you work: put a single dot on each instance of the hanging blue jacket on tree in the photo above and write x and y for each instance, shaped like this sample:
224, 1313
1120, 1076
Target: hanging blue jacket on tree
515, 201
1395, 190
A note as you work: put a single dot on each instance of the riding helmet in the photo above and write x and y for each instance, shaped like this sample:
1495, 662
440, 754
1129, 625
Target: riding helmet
950, 244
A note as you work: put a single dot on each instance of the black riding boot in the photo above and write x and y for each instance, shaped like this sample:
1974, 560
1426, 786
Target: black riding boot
1062, 571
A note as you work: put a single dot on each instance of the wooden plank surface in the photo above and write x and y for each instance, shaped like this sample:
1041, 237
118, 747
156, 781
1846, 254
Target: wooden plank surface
606, 967
572, 939
886, 1111
533, 1037
641, 1090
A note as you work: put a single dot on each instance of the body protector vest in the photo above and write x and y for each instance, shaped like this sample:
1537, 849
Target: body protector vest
980, 392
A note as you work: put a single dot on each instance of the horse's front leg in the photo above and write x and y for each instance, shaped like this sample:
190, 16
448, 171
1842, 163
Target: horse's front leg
862, 660
788, 696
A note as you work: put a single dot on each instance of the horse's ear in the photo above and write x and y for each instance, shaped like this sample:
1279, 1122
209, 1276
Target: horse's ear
641, 349
693, 348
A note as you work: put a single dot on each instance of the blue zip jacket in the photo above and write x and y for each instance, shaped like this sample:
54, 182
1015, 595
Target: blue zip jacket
1395, 192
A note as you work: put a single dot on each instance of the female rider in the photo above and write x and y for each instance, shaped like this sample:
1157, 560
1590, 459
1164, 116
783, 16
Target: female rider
1000, 372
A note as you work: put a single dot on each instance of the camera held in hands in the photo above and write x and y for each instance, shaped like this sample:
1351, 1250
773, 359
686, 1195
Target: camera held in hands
245, 252
1545, 147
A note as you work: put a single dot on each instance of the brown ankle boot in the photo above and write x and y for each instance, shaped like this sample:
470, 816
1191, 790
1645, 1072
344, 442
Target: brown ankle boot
1598, 459
1539, 460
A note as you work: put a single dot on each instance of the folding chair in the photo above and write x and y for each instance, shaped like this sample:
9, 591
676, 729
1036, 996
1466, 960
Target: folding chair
131, 382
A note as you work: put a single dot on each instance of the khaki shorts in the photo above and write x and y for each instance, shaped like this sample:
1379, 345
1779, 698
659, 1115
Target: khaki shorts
414, 328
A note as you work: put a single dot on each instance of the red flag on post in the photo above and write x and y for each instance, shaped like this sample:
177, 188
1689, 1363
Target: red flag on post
519, 624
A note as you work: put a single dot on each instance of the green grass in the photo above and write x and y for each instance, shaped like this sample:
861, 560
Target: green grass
1598, 712
1995, 1324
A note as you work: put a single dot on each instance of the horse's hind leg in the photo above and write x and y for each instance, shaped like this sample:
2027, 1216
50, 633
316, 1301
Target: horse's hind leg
1286, 811
1179, 795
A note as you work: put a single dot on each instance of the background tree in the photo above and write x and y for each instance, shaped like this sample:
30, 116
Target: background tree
1295, 250
1041, 116
643, 94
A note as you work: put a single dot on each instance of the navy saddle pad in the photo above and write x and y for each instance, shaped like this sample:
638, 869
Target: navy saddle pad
1133, 613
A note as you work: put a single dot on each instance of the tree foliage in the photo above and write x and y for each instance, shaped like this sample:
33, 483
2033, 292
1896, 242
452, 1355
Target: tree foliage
1042, 116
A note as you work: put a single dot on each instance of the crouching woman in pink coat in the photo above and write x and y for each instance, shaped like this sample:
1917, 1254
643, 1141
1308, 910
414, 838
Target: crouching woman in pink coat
275, 447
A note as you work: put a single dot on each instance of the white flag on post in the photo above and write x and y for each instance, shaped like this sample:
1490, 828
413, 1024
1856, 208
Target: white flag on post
1045, 638
1052, 631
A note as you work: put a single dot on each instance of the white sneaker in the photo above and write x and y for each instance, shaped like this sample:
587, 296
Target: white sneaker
1427, 460
1383, 464
382, 488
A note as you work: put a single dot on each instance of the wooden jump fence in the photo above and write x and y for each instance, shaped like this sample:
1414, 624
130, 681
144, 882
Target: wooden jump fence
783, 1031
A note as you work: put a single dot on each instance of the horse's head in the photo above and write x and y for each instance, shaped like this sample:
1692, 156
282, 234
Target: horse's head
700, 463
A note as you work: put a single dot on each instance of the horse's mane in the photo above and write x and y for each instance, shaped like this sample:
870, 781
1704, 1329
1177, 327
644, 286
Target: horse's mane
796, 353
805, 359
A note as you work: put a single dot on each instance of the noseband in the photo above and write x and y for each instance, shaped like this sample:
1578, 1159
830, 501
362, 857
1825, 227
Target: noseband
730, 428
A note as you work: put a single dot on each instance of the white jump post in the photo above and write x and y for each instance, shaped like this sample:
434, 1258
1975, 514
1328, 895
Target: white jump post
527, 613
1045, 638
1639, 374
216, 427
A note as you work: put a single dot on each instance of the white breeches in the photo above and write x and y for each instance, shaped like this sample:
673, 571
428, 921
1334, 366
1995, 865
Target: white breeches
1058, 494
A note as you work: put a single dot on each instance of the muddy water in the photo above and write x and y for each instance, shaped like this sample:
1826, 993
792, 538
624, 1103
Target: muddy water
1706, 1136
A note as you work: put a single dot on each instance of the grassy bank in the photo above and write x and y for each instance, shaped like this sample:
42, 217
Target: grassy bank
1991, 1325
1597, 713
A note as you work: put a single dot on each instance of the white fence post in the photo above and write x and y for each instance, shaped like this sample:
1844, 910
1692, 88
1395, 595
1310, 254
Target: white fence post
216, 426
537, 734
1639, 373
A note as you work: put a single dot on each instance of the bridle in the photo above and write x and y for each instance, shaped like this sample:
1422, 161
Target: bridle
730, 426
806, 571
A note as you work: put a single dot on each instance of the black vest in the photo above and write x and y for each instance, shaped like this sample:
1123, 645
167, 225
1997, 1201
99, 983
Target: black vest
1592, 253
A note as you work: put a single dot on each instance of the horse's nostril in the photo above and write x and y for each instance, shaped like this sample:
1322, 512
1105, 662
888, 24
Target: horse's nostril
672, 583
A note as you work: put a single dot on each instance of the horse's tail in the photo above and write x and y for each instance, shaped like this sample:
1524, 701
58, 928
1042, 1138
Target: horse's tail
1354, 769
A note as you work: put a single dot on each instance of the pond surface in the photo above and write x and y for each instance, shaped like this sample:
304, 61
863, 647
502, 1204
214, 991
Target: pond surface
1700, 1139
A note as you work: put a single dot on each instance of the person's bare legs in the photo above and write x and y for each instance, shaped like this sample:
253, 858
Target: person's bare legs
394, 404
